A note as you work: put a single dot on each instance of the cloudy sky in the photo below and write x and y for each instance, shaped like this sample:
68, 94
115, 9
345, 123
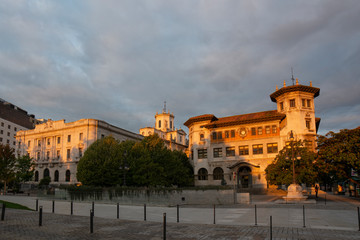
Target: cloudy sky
119, 60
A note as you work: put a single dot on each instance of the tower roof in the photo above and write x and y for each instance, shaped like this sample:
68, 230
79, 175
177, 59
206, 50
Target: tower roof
295, 88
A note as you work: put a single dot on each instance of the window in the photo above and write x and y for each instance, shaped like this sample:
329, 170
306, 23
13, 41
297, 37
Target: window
281, 106
260, 131
48, 141
244, 150
56, 176
29, 143
308, 123
202, 174
201, 136
303, 101
180, 139
274, 129
308, 101
1, 139
102, 136
67, 176
202, 153
58, 154
272, 147
217, 152
227, 134
36, 176
8, 134
69, 138
218, 173
58, 140
80, 136
38, 155
9, 127
8, 141
80, 152
2, 132
48, 155
14, 143
230, 151
170, 124
219, 135
2, 124
292, 103
253, 131
46, 173
232, 133
159, 123
15, 129
214, 136
257, 149
267, 129
68, 153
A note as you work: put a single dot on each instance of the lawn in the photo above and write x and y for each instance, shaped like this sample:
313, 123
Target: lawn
14, 205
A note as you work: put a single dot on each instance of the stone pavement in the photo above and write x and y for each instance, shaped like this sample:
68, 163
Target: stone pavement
24, 225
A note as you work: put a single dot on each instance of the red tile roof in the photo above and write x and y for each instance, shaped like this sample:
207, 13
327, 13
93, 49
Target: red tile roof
200, 118
294, 88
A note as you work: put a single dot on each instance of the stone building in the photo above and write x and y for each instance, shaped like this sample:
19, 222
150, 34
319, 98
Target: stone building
57, 146
13, 119
175, 139
239, 148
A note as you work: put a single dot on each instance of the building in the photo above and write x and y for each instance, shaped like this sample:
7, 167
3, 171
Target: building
239, 148
57, 146
175, 139
13, 119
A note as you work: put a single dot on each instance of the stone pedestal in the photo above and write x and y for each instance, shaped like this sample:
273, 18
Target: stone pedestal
295, 193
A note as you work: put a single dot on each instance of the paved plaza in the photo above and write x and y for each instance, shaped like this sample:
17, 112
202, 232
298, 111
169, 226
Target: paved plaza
337, 219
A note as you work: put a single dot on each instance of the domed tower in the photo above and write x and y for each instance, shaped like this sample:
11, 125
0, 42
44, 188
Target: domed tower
164, 121
297, 102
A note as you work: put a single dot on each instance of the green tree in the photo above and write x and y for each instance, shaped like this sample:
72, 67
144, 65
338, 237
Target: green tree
7, 165
101, 163
24, 168
339, 155
280, 171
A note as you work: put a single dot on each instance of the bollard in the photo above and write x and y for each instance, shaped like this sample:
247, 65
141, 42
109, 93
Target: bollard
325, 198
71, 208
177, 213
37, 204
255, 216
117, 209
214, 213
270, 227
144, 212
164, 226
91, 221
358, 217
53, 206
304, 216
40, 216
3, 212
93, 208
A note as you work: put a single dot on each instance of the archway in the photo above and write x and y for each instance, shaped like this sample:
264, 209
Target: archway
244, 177
46, 173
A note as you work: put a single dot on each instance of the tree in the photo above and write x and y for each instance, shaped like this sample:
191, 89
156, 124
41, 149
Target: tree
7, 165
339, 155
101, 163
280, 170
24, 168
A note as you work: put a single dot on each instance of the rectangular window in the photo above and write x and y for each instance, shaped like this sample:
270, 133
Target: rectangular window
58, 154
308, 103
39, 143
202, 153
217, 152
80, 152
15, 129
260, 130
257, 149
69, 138
2, 124
292, 103
48, 155
227, 134
230, 151
219, 135
58, 140
68, 153
2, 132
303, 101
267, 129
232, 133
272, 147
281, 106
9, 127
253, 131
8, 134
308, 123
274, 129
244, 150
214, 135
201, 136
48, 141
29, 143
80, 136
102, 136
0, 139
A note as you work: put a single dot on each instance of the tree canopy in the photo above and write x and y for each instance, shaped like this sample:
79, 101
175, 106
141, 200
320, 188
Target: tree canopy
147, 163
280, 170
339, 155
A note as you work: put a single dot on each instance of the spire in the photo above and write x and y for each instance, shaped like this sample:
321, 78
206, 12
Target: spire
292, 76
164, 109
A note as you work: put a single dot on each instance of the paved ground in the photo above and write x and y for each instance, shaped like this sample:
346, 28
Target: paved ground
335, 220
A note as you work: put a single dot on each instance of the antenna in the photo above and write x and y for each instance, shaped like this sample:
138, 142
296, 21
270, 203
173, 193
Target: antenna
292, 76
164, 109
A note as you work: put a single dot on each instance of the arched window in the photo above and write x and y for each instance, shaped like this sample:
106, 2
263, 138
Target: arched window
56, 176
202, 174
46, 173
67, 176
159, 123
218, 173
36, 176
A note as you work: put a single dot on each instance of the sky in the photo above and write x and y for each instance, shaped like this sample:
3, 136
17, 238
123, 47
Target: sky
119, 60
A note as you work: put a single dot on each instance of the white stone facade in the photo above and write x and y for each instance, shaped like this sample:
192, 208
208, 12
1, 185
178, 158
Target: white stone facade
238, 148
57, 146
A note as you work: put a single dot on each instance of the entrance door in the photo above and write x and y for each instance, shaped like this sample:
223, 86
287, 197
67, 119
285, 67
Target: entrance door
244, 177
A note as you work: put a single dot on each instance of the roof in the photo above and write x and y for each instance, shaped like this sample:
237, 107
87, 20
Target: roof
246, 118
295, 88
205, 117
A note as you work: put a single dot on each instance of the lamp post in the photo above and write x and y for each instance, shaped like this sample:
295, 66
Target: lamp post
292, 155
124, 167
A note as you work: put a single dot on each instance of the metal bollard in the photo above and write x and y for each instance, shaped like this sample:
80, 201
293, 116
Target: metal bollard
3, 212
40, 216
214, 213
71, 207
270, 227
325, 198
91, 221
177, 213
144, 212
53, 206
164, 226
117, 211
255, 216
93, 208
37, 204
304, 216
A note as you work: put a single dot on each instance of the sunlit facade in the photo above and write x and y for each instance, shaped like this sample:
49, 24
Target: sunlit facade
237, 149
57, 147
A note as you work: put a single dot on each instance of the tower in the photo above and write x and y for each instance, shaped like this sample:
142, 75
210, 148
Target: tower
164, 121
